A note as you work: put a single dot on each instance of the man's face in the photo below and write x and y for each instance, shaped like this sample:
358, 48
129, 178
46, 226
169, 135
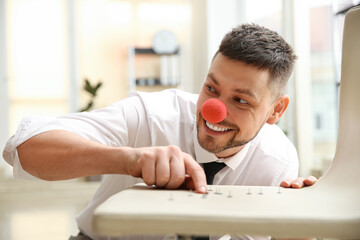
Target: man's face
245, 92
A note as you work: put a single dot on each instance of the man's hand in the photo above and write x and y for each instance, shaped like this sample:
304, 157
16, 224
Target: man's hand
298, 182
166, 167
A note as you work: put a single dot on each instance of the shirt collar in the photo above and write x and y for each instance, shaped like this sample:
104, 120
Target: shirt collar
234, 161
203, 156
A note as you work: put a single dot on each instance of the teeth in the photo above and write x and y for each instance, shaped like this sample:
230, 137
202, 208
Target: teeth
216, 128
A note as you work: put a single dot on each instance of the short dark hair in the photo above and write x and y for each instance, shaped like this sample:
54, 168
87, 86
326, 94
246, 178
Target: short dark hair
262, 48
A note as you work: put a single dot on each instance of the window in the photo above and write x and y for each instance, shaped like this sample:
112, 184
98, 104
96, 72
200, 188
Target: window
36, 64
325, 41
37, 52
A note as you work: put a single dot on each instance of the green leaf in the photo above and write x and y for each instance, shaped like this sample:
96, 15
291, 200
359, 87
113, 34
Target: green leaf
88, 107
92, 90
98, 86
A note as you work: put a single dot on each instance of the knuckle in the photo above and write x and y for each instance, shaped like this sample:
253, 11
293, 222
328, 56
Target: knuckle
188, 156
174, 149
191, 161
160, 153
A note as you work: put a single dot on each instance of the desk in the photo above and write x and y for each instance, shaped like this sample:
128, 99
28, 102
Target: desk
267, 211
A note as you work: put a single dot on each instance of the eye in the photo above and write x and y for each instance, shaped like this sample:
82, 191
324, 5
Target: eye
240, 100
211, 89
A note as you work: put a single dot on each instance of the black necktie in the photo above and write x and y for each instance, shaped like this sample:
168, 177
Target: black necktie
211, 169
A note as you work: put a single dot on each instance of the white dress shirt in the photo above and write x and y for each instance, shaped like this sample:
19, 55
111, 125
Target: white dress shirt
160, 119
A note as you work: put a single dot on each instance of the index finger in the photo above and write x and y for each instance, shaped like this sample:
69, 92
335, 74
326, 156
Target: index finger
197, 174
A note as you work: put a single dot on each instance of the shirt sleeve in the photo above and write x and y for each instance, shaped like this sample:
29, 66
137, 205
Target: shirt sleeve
109, 126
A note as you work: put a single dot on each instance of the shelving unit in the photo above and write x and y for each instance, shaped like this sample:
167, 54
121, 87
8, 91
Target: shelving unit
150, 71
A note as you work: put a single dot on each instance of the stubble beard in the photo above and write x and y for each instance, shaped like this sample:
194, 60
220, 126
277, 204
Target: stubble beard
209, 143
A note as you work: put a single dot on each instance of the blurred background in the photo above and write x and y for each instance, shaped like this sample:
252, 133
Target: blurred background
62, 56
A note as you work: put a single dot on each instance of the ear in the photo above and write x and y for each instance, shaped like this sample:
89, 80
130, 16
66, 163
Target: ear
278, 108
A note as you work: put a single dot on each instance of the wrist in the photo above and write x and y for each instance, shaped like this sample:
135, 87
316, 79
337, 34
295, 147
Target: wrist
123, 161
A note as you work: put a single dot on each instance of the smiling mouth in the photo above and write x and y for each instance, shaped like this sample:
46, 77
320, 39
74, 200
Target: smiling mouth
216, 128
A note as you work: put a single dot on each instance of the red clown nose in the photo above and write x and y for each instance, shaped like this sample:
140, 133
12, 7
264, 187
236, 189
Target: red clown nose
213, 110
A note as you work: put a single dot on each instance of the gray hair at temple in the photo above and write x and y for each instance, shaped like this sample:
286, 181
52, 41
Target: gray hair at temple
263, 48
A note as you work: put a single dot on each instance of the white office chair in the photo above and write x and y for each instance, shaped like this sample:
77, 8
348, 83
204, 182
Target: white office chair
329, 209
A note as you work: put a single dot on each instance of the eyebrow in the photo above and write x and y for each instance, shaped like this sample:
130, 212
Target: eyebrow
213, 78
240, 91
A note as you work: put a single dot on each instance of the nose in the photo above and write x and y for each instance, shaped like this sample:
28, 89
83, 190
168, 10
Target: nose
213, 110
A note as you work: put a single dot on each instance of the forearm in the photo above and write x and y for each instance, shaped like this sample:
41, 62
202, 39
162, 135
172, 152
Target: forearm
60, 155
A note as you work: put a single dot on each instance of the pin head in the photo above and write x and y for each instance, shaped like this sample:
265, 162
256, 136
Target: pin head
213, 110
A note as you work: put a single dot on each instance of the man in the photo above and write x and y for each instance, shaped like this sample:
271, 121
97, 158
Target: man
162, 137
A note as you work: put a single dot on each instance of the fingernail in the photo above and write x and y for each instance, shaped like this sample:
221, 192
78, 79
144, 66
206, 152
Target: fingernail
203, 189
285, 184
296, 184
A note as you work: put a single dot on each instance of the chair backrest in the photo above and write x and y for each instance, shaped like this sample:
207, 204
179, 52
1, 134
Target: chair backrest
345, 168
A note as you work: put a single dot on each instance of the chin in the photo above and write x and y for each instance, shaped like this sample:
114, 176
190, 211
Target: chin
211, 144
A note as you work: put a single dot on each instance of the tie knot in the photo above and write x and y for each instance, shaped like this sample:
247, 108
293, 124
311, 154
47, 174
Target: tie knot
211, 169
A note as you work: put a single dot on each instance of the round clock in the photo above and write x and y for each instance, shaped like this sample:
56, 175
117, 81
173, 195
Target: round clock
165, 42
